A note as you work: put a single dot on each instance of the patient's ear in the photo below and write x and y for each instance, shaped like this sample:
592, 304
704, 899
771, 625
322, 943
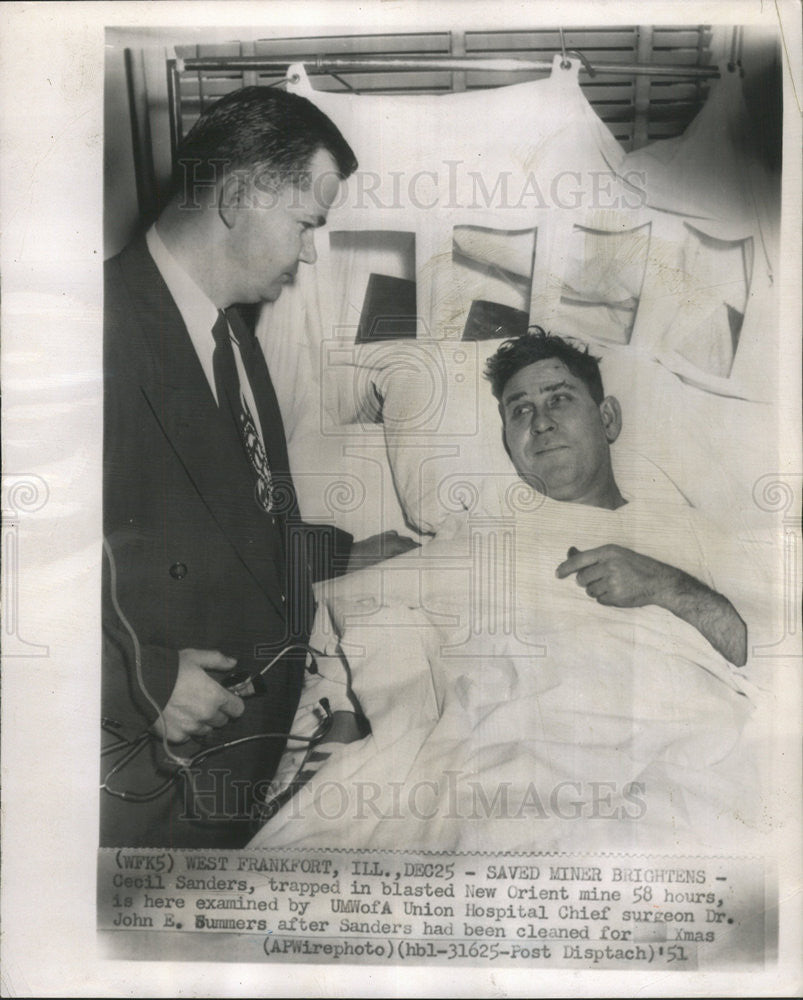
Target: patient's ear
611, 413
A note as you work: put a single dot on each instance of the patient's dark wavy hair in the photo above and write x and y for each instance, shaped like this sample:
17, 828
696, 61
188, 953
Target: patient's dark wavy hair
538, 345
260, 127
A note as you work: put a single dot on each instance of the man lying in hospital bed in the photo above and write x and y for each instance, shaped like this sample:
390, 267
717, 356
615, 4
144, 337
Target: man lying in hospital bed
566, 677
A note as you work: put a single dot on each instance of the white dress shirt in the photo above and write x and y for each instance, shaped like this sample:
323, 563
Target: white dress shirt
200, 315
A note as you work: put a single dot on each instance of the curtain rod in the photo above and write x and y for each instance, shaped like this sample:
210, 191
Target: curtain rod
359, 64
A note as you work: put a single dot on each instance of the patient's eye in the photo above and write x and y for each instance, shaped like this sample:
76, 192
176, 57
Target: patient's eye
559, 399
521, 410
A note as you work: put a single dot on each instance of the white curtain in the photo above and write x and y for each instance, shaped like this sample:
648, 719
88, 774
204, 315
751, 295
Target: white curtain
520, 197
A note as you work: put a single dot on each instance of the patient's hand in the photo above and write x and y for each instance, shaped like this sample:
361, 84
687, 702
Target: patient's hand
378, 547
622, 578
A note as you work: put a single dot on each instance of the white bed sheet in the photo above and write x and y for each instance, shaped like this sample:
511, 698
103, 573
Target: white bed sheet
522, 715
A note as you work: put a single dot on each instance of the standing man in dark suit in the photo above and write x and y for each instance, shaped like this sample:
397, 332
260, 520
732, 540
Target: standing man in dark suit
207, 563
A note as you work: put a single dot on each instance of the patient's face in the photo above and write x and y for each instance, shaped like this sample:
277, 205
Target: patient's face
558, 437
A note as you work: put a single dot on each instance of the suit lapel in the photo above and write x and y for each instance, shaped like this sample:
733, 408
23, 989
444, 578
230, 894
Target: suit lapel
206, 443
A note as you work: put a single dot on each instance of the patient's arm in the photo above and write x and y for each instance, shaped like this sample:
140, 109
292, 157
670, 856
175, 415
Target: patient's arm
623, 578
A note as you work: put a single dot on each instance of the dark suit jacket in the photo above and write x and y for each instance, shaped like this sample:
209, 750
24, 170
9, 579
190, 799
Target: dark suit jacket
196, 563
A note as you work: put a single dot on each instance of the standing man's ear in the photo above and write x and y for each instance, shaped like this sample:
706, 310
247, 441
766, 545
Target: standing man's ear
611, 414
232, 196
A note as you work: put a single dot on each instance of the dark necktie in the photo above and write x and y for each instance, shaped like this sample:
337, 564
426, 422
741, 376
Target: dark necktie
229, 393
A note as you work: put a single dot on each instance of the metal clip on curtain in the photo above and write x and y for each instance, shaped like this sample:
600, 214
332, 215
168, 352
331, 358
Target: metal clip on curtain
564, 62
586, 64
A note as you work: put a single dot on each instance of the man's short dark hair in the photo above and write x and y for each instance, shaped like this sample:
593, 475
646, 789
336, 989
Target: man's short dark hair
260, 127
538, 345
